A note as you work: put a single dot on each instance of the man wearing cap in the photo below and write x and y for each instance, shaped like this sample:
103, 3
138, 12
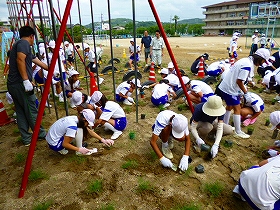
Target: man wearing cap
255, 40
232, 87
20, 85
125, 89
168, 125
112, 117
69, 53
71, 128
132, 53
146, 41
208, 118
156, 48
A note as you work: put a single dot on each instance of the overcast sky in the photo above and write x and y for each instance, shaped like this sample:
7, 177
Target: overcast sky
166, 9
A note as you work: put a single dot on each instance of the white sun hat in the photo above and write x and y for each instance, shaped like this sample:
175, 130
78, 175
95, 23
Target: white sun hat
164, 71
185, 79
73, 72
179, 126
264, 53
170, 65
214, 106
52, 44
77, 98
138, 83
274, 119
96, 96
89, 116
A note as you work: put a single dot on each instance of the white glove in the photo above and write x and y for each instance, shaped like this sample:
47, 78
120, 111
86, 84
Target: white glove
248, 98
146, 87
166, 162
277, 143
27, 85
184, 163
199, 141
107, 142
214, 150
131, 100
83, 150
272, 152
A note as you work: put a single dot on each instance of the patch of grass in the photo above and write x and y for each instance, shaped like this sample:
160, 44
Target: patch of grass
43, 206
36, 175
16, 130
182, 107
161, 108
95, 186
20, 158
142, 103
19, 139
188, 172
191, 206
77, 159
144, 186
153, 155
130, 164
214, 189
107, 207
127, 109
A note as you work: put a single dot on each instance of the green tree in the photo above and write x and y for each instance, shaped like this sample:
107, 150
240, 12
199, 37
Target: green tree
176, 18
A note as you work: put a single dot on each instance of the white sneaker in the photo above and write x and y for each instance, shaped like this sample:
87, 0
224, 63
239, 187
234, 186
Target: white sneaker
167, 152
166, 105
116, 135
100, 80
126, 102
241, 135
48, 105
63, 151
61, 99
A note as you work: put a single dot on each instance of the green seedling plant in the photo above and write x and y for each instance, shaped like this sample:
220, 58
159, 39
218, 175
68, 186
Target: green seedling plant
267, 122
107, 207
95, 186
43, 206
77, 159
182, 107
161, 107
20, 158
153, 155
16, 130
144, 186
214, 189
127, 109
250, 130
190, 206
37, 175
132, 134
130, 164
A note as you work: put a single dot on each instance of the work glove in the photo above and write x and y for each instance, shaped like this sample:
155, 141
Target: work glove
277, 143
27, 85
248, 98
247, 122
146, 87
184, 163
166, 162
214, 150
131, 100
83, 150
199, 141
107, 142
272, 152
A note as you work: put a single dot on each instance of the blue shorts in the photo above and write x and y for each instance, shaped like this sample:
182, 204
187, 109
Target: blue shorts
206, 96
59, 146
230, 100
175, 88
161, 100
119, 98
38, 79
214, 73
132, 57
120, 123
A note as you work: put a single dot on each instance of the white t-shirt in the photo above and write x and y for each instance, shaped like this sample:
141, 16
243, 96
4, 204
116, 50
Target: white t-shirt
161, 90
232, 46
215, 66
69, 50
66, 126
256, 103
56, 68
91, 56
255, 39
67, 85
262, 185
277, 75
163, 119
200, 86
131, 48
112, 110
240, 70
123, 88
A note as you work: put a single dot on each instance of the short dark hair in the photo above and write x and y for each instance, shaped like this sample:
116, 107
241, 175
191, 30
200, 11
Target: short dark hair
26, 31
158, 31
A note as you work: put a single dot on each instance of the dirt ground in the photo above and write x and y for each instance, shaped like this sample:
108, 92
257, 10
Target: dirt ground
145, 184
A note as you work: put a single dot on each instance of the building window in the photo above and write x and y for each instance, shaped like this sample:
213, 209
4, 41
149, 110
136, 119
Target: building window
230, 23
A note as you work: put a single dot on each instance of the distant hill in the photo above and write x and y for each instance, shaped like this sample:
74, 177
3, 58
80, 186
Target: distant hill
124, 21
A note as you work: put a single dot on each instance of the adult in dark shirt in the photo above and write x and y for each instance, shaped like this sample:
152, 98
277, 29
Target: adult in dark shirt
195, 64
146, 41
20, 83
208, 117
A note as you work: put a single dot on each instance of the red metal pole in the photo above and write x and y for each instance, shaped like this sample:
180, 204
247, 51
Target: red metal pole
43, 101
170, 53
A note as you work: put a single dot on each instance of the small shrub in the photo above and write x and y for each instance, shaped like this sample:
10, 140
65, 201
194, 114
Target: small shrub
214, 189
130, 164
36, 175
95, 186
43, 206
20, 158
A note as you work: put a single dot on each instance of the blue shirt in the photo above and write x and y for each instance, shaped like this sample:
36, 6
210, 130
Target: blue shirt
146, 40
199, 115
